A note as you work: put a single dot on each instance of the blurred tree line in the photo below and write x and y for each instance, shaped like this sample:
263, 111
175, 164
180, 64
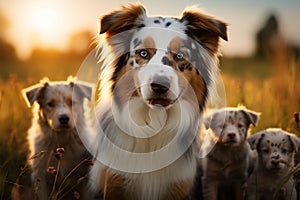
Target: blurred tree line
270, 40
271, 47
43, 62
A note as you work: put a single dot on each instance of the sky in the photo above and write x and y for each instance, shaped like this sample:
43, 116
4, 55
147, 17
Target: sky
49, 23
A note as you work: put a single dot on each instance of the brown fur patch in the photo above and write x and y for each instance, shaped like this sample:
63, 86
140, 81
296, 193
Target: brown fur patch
198, 84
176, 46
125, 84
187, 69
179, 191
206, 29
120, 20
112, 185
149, 45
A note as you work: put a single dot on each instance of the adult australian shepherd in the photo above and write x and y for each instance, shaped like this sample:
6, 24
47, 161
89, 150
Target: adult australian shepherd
157, 74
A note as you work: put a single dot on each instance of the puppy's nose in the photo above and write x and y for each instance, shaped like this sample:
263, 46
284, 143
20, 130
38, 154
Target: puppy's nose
275, 162
275, 156
160, 84
231, 135
63, 119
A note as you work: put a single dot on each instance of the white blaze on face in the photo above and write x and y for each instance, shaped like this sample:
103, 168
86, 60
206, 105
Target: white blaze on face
154, 71
147, 75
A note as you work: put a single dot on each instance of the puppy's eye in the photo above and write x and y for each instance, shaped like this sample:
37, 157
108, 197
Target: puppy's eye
71, 102
266, 151
240, 125
284, 151
221, 126
144, 53
51, 104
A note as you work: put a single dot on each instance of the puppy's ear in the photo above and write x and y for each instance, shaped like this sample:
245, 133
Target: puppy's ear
32, 93
295, 141
71, 79
83, 88
205, 29
251, 115
255, 139
207, 121
121, 20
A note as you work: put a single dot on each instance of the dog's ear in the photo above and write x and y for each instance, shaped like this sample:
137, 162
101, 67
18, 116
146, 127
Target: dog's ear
207, 121
32, 93
251, 115
205, 29
295, 141
83, 88
121, 20
255, 139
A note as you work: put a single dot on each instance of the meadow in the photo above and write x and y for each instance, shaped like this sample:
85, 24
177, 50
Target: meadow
270, 87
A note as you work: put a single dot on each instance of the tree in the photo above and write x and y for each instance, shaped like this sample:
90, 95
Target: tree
266, 37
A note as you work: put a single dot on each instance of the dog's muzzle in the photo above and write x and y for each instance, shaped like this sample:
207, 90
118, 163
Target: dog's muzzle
160, 85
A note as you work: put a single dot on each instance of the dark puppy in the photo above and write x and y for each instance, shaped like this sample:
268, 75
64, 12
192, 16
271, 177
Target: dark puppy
276, 150
229, 159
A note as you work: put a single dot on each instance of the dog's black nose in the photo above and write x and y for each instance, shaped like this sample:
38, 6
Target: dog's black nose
231, 135
275, 156
63, 119
160, 84
275, 162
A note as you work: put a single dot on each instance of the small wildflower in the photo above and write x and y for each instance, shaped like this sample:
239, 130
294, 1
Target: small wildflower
297, 119
91, 162
37, 155
52, 170
60, 150
58, 156
76, 195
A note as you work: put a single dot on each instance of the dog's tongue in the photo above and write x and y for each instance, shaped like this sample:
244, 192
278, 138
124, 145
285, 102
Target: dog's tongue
161, 102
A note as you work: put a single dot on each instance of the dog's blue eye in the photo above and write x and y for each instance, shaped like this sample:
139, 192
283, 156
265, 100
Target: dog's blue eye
179, 55
144, 53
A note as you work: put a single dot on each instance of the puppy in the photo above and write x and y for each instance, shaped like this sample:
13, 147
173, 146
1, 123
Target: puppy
229, 159
272, 178
58, 157
156, 77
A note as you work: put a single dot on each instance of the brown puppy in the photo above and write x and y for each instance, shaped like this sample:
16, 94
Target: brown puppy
56, 149
229, 159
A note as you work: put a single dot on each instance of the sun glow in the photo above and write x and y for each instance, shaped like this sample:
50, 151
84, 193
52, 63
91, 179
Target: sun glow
43, 20
46, 25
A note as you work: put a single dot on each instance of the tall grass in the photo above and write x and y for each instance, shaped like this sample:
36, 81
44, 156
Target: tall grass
271, 88
266, 89
14, 122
